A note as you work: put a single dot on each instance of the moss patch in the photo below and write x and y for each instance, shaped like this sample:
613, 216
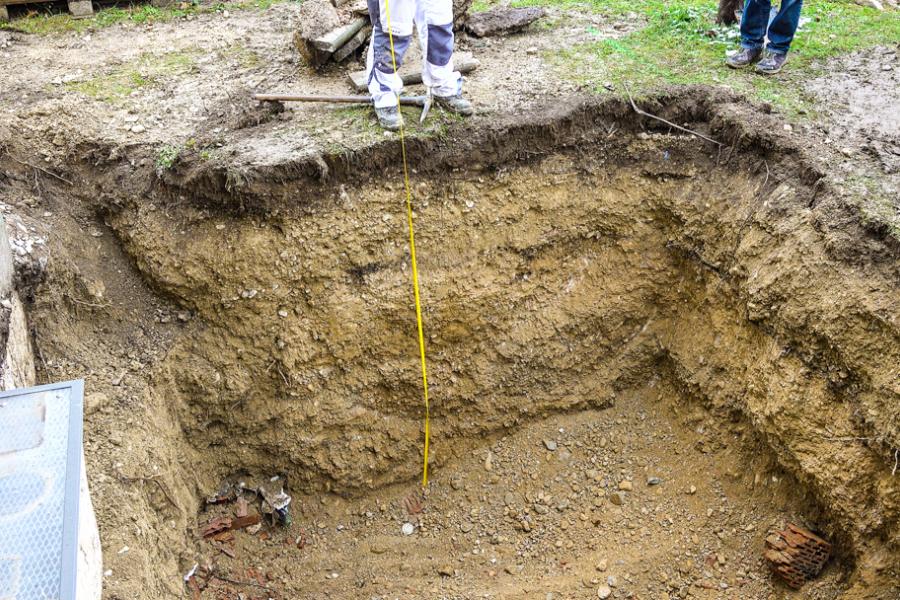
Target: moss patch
148, 69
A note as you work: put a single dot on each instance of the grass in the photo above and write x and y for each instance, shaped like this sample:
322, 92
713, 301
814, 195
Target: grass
166, 156
45, 23
245, 57
483, 5
680, 44
148, 69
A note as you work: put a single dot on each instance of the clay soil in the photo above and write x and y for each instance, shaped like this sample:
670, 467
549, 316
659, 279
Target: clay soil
646, 350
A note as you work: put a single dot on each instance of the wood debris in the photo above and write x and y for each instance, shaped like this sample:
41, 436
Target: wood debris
326, 34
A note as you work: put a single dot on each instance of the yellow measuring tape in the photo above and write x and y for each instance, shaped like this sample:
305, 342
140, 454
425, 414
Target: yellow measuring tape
412, 254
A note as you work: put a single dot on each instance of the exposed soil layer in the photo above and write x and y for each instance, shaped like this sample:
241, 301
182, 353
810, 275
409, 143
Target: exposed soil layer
652, 304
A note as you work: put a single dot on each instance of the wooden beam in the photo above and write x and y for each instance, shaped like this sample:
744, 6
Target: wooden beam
350, 47
336, 38
462, 62
11, 2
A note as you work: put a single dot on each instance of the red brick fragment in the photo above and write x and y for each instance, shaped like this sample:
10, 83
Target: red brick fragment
217, 525
796, 554
245, 521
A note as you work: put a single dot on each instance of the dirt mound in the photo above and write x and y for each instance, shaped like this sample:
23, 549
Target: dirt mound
316, 18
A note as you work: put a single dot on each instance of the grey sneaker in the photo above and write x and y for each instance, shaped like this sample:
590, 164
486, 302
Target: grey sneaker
744, 58
455, 104
772, 63
389, 117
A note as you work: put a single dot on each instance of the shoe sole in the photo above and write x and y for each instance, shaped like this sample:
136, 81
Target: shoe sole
768, 71
457, 112
389, 127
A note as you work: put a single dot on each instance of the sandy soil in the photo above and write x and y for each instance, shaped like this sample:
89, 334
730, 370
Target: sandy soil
605, 302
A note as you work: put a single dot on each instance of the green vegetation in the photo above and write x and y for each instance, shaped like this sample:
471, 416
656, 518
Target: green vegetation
147, 69
45, 23
244, 56
677, 42
483, 5
167, 155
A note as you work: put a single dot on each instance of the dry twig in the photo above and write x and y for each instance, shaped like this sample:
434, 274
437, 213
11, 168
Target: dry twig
162, 488
37, 168
669, 123
236, 582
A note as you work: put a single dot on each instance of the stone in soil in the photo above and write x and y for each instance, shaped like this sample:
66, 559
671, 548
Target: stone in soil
502, 21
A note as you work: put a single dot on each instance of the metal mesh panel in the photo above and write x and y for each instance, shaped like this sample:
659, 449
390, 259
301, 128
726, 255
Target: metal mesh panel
39, 479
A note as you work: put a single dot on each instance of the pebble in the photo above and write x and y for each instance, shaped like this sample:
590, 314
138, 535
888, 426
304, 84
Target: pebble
138, 129
531, 50
489, 461
407, 529
550, 445
602, 565
692, 490
617, 498
654, 481
604, 591
625, 486
466, 527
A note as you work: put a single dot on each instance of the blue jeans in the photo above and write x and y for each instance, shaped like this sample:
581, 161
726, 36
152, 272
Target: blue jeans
781, 30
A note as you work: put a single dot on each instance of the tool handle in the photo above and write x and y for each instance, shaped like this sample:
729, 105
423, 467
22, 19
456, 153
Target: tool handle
404, 100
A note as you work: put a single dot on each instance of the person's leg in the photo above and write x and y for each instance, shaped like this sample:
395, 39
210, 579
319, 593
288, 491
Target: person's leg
784, 26
754, 21
384, 83
781, 34
434, 21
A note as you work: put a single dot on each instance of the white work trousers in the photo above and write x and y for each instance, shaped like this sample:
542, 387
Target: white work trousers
434, 22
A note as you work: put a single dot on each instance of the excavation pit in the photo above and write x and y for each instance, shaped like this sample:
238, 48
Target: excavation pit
608, 311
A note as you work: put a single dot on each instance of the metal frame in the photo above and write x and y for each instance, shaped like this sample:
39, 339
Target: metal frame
69, 550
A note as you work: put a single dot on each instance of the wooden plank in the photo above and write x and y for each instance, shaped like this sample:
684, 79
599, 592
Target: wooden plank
462, 62
336, 38
350, 47
11, 2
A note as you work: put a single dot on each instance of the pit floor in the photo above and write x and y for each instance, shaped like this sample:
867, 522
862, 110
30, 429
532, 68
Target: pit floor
697, 533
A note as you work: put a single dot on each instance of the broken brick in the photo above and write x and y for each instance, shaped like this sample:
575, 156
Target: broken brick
245, 521
796, 554
216, 525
